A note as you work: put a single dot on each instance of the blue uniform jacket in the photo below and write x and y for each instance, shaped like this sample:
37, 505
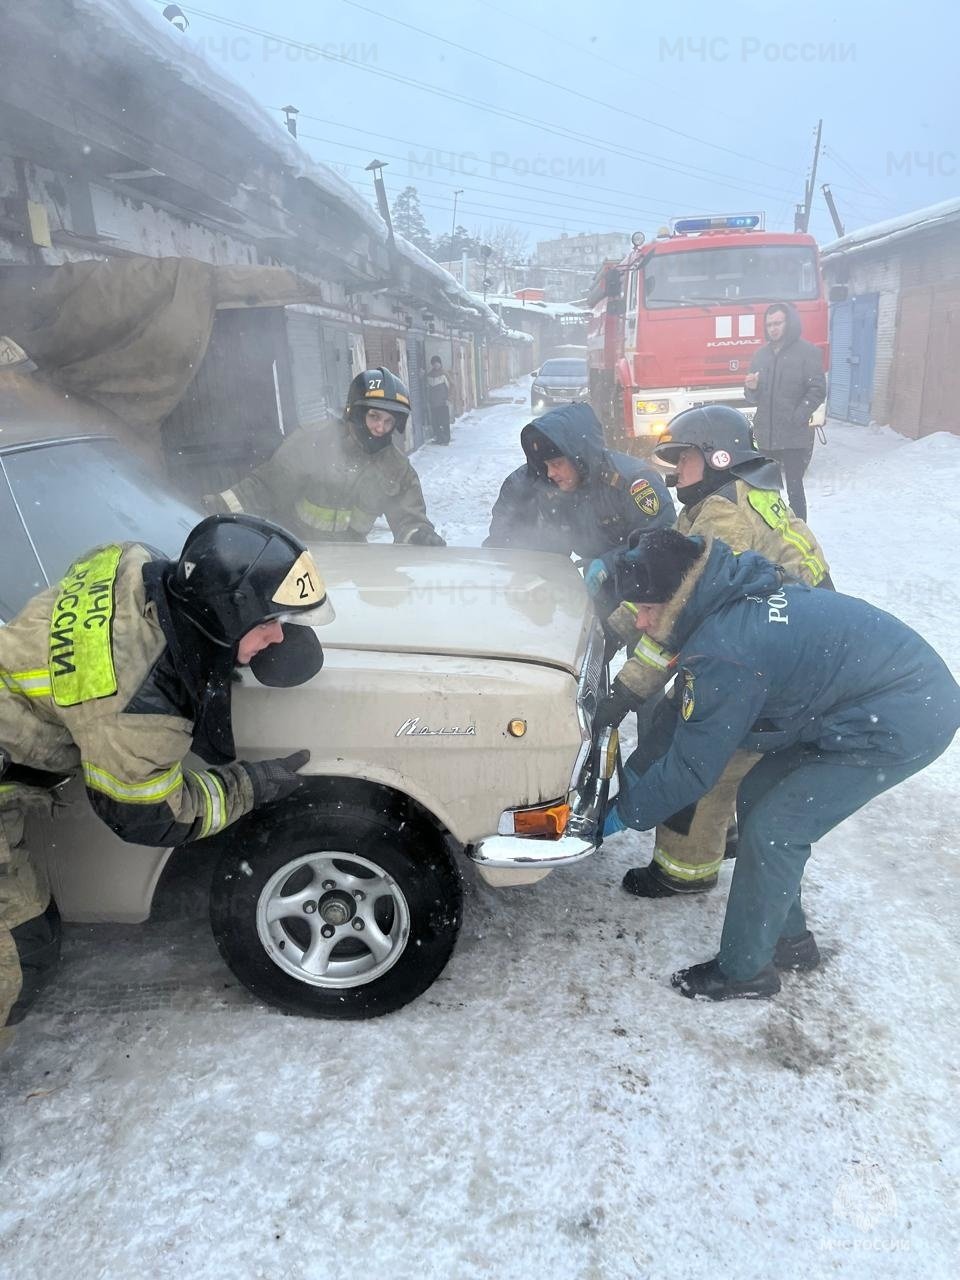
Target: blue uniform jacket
764, 665
618, 495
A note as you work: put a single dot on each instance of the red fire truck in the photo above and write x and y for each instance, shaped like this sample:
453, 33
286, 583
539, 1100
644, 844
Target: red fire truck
676, 323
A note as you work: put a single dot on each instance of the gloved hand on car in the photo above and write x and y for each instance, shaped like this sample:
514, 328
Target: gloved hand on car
425, 537
613, 823
275, 779
617, 703
596, 575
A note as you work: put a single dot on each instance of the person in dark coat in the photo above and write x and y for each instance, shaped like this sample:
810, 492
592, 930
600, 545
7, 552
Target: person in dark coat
787, 384
574, 495
842, 701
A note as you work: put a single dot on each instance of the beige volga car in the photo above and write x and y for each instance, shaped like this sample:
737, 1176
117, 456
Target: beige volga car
449, 726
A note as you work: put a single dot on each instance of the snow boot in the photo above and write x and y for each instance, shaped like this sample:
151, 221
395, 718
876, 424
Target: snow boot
653, 882
800, 953
709, 980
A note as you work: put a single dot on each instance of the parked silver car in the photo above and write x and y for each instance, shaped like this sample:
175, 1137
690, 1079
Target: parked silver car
451, 723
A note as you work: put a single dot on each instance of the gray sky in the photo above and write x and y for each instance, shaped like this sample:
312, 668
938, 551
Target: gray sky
603, 120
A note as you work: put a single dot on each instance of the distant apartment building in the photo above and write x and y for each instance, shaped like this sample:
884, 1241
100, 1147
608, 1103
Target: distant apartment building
565, 268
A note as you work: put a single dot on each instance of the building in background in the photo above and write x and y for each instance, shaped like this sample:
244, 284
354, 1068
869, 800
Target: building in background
173, 160
565, 268
895, 322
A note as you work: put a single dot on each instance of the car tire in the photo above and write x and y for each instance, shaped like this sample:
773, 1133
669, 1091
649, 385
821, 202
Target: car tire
289, 875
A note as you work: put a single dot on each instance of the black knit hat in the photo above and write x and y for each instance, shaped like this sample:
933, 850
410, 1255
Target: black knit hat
538, 446
652, 568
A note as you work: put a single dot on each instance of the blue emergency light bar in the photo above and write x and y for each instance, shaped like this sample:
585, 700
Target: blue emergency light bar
727, 222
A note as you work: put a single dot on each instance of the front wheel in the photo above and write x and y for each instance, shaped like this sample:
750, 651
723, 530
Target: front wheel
335, 911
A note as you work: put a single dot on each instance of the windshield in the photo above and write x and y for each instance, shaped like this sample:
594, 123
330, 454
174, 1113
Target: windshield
735, 274
78, 494
564, 369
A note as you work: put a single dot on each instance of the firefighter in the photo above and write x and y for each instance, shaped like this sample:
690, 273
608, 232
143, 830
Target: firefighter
574, 495
730, 491
840, 700
330, 482
120, 671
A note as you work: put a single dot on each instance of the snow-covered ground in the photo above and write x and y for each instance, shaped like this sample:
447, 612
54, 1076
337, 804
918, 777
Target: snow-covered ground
551, 1107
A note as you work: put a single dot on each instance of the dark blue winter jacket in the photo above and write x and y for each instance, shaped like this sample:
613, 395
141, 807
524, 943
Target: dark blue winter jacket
617, 496
763, 665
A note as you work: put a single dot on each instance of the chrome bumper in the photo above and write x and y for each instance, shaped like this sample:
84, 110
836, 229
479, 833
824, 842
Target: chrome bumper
521, 851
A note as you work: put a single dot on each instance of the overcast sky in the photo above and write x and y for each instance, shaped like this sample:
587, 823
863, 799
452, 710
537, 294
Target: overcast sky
578, 117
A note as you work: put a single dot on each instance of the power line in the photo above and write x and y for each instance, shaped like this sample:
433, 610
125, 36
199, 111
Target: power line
692, 172
605, 211
464, 177
497, 62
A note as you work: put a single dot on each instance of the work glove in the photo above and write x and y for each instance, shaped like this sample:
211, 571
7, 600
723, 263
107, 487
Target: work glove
612, 708
275, 779
613, 823
596, 575
426, 538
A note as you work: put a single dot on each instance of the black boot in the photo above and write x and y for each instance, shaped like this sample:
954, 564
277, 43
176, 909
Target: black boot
733, 839
801, 953
653, 882
709, 980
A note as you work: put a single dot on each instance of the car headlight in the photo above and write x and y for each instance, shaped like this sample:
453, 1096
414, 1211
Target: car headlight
584, 391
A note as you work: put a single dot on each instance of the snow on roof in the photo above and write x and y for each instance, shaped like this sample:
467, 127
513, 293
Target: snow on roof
456, 293
146, 28
509, 302
882, 233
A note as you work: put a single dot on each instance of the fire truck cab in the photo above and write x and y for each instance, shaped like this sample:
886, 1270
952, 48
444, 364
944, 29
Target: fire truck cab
676, 323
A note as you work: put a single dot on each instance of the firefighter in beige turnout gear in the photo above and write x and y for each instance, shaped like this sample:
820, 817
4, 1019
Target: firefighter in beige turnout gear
330, 481
125, 667
730, 492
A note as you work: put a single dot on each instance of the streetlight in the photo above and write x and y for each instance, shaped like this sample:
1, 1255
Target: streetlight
376, 167
453, 225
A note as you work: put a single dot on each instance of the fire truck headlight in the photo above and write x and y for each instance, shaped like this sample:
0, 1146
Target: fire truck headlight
653, 406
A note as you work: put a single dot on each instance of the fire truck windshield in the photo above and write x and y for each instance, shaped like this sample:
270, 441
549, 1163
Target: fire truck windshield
755, 273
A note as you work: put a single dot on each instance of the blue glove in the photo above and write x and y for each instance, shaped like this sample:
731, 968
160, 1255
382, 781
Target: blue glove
596, 575
613, 823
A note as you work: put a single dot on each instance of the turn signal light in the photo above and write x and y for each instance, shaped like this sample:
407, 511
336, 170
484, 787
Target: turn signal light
517, 728
550, 822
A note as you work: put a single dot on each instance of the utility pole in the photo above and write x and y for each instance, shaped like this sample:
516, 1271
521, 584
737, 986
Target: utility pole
828, 197
458, 191
801, 221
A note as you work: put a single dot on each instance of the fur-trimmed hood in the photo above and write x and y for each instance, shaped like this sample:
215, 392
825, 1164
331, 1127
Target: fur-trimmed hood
717, 579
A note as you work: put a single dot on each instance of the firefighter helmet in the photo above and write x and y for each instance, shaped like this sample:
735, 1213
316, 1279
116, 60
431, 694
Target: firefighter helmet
378, 389
238, 571
721, 433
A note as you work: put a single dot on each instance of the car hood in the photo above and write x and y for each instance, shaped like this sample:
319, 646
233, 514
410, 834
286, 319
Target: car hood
456, 600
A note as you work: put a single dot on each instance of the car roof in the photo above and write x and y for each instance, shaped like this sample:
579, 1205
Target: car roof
34, 412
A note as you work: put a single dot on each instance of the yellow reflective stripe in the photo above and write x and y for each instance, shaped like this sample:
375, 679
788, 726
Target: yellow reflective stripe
326, 519
214, 802
152, 791
81, 653
686, 870
231, 502
774, 512
32, 684
653, 654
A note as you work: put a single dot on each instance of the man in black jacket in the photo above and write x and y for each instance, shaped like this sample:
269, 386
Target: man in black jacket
787, 384
572, 494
